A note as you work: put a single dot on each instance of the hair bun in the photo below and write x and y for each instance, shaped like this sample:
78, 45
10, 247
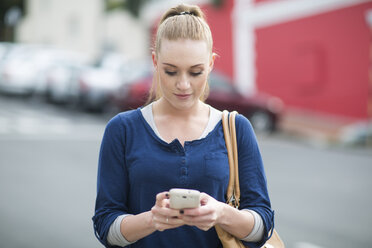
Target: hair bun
183, 9
186, 13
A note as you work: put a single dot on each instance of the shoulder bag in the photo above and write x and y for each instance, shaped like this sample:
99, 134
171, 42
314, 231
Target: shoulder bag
233, 190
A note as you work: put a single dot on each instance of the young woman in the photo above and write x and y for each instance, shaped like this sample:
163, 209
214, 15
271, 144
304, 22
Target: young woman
177, 142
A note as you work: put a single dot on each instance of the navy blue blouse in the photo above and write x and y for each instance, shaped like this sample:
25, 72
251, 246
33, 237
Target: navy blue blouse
135, 165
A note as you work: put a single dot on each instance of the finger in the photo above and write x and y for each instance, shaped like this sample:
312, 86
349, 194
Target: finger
198, 219
164, 222
200, 211
204, 223
204, 198
173, 221
161, 197
164, 211
160, 211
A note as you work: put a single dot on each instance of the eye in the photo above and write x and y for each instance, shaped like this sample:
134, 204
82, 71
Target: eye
171, 73
195, 74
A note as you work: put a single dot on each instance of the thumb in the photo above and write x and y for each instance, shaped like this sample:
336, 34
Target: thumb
204, 198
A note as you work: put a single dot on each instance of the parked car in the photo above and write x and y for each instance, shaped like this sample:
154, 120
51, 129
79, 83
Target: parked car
98, 84
62, 83
262, 110
14, 77
24, 69
95, 86
5, 48
132, 94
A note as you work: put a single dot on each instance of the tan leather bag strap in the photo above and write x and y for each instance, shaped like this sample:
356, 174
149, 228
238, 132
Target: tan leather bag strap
233, 190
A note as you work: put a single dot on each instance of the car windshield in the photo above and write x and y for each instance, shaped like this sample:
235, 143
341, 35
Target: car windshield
220, 83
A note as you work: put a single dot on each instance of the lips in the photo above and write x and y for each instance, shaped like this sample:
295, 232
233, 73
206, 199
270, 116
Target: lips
182, 96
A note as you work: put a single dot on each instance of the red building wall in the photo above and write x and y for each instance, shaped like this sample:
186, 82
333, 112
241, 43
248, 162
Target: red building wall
318, 63
219, 20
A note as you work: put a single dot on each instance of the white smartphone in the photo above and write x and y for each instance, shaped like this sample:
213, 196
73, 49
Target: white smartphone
184, 198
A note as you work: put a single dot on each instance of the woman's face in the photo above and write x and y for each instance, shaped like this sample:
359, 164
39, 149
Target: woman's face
183, 67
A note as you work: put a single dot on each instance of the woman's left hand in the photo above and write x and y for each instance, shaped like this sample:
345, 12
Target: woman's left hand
206, 216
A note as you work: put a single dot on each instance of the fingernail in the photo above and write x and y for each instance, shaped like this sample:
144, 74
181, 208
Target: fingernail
181, 211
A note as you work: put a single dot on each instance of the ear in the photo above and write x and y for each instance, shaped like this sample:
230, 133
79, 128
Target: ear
154, 60
211, 61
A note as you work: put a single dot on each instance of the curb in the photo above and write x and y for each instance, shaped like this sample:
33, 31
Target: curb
325, 130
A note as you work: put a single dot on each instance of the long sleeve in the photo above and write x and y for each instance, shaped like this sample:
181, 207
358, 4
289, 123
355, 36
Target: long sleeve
112, 180
252, 178
114, 236
135, 165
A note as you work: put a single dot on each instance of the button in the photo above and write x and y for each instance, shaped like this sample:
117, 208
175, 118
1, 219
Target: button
184, 171
183, 161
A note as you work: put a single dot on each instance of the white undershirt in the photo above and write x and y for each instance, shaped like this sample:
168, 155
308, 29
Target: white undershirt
115, 237
214, 117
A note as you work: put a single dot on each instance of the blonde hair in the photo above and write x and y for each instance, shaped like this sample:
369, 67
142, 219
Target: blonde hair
181, 22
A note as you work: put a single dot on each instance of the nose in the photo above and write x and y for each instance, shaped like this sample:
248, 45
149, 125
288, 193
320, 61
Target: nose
183, 83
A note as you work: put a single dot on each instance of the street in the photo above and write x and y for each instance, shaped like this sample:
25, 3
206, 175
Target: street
48, 166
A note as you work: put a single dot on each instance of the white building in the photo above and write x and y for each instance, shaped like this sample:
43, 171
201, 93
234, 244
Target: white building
83, 26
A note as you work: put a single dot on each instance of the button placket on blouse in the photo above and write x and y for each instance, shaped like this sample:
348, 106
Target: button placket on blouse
183, 169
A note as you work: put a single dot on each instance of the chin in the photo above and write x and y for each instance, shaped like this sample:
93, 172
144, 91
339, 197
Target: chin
184, 105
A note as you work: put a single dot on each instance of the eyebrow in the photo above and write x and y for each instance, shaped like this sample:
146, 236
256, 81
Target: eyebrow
176, 66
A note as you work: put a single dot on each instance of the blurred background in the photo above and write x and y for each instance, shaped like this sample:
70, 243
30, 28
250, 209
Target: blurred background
300, 70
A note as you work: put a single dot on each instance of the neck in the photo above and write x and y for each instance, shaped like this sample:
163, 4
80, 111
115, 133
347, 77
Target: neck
162, 107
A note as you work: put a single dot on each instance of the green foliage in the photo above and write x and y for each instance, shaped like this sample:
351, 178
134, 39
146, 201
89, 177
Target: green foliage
115, 4
5, 5
6, 33
218, 3
133, 6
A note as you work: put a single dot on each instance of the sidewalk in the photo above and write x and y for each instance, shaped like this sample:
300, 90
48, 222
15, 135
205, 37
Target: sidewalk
321, 129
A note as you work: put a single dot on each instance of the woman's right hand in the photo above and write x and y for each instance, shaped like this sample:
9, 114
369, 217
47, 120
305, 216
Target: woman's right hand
163, 217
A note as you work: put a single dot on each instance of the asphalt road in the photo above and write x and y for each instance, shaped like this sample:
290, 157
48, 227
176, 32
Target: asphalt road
48, 165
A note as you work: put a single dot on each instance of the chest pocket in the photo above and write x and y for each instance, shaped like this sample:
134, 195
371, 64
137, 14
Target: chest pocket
216, 166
